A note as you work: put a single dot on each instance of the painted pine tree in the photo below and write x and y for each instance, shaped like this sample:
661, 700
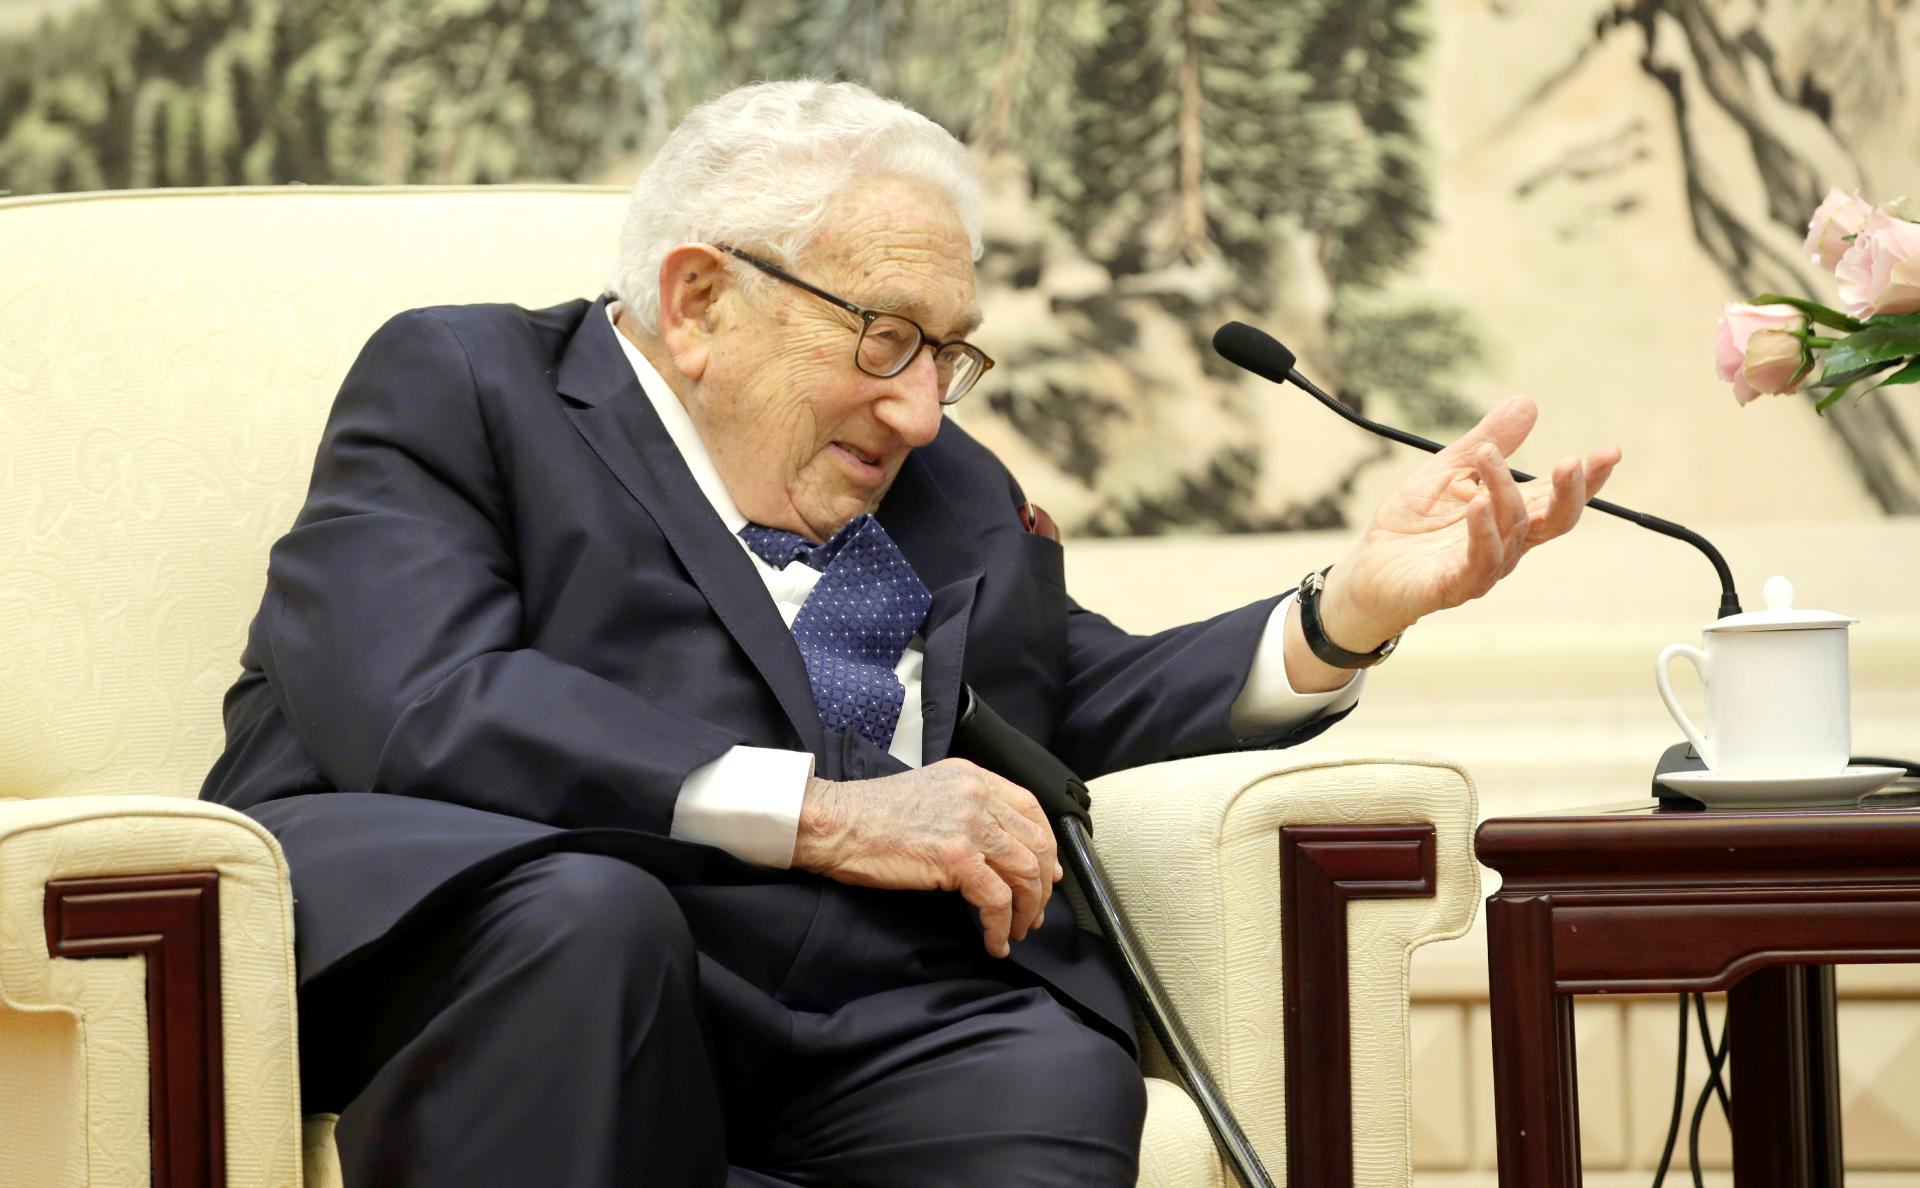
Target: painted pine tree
135, 93
140, 93
1155, 167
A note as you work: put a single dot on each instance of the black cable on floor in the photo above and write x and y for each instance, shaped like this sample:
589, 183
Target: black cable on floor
1716, 1057
1714, 1062
1679, 1097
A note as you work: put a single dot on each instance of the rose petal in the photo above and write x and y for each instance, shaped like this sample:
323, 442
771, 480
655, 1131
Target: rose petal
1855, 278
1776, 363
1901, 296
1728, 358
1839, 216
1867, 285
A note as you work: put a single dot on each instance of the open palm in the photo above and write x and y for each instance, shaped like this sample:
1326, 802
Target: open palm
1459, 523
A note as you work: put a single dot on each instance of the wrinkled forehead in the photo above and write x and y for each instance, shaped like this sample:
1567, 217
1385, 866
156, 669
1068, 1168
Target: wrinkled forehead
898, 246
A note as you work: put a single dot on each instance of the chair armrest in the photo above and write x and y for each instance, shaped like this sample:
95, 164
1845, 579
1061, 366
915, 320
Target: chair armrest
1193, 852
75, 1037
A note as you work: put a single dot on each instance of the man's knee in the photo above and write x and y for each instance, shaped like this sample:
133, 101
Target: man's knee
588, 916
1018, 1093
566, 940
1083, 1077
1029, 1067
1075, 1107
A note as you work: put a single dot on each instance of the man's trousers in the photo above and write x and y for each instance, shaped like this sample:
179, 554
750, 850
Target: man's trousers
560, 1029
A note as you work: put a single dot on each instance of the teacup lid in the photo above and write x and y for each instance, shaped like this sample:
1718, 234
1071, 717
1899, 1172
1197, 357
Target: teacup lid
1780, 614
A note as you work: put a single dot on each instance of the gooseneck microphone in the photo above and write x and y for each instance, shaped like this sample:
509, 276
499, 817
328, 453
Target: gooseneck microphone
1262, 354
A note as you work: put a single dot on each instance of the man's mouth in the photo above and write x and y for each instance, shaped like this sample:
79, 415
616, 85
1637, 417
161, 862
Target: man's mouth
859, 455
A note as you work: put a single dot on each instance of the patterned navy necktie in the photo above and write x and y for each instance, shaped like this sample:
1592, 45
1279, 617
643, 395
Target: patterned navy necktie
855, 624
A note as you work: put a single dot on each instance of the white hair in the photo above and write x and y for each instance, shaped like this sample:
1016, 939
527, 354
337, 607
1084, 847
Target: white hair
761, 167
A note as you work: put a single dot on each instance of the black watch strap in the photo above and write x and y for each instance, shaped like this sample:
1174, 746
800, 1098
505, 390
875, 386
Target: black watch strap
1328, 651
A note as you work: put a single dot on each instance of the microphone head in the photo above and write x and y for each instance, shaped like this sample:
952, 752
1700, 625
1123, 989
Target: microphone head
1255, 350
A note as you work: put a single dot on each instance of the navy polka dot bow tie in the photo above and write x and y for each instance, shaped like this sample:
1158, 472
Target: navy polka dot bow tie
856, 622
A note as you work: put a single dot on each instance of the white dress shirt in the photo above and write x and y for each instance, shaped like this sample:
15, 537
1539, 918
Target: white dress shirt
747, 801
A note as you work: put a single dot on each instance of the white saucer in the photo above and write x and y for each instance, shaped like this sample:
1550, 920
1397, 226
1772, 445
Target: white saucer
1840, 788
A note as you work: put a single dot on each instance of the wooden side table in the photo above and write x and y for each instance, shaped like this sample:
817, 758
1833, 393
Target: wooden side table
1632, 899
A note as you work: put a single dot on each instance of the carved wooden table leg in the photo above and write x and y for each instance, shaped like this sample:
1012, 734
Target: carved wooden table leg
1786, 1124
1823, 1065
1536, 1099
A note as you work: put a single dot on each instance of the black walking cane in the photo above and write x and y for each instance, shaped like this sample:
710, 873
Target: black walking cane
983, 737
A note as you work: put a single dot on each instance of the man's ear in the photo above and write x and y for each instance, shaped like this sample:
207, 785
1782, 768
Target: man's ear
692, 279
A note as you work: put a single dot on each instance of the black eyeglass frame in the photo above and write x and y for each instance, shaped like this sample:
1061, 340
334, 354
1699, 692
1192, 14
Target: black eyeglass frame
867, 318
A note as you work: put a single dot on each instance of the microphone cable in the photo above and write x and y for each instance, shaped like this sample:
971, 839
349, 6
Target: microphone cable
1679, 1099
1265, 356
1716, 1059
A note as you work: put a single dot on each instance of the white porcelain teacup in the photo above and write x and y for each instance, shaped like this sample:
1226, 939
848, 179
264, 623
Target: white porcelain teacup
1778, 704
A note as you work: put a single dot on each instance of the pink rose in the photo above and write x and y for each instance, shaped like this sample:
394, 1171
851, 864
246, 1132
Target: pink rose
1829, 232
1752, 346
1880, 273
1776, 363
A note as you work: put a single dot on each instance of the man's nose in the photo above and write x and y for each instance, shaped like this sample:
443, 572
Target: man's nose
910, 406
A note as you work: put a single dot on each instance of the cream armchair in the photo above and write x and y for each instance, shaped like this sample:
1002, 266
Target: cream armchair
166, 361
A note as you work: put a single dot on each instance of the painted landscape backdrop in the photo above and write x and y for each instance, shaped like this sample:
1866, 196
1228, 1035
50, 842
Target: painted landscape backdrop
1435, 202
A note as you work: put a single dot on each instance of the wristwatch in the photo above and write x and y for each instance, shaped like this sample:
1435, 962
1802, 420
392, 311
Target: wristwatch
1328, 651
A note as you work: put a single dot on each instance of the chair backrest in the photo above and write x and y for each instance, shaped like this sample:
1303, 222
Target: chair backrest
167, 359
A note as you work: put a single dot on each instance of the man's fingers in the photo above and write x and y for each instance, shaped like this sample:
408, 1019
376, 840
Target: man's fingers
1019, 799
1021, 816
1505, 425
966, 829
1484, 548
1569, 497
1019, 860
1574, 483
988, 892
1508, 504
1599, 466
1042, 839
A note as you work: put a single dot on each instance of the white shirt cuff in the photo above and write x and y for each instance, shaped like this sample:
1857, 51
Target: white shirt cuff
1267, 703
746, 802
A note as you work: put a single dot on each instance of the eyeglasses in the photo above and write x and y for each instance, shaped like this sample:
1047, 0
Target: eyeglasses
889, 343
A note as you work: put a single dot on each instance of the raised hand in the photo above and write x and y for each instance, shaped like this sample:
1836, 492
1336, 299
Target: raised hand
949, 826
1453, 527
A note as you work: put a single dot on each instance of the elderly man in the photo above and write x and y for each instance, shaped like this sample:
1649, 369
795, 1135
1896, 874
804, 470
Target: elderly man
601, 698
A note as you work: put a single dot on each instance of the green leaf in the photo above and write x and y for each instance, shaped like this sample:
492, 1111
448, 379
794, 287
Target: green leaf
1813, 309
1827, 401
1906, 319
1910, 374
1880, 343
1840, 379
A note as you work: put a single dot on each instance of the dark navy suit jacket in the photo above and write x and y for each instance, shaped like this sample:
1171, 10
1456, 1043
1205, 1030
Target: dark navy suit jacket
507, 621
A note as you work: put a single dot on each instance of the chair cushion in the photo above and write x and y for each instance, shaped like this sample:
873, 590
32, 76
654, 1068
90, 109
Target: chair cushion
167, 359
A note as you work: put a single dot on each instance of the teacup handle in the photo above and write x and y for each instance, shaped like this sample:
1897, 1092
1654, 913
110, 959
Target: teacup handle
1698, 659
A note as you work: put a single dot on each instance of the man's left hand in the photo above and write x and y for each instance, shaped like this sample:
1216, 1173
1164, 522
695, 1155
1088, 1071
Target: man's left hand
1449, 531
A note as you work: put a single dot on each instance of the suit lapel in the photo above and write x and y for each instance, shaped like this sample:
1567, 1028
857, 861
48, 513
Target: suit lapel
613, 414
920, 521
